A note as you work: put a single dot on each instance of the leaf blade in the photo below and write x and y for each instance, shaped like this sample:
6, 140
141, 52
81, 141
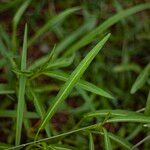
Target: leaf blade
141, 79
106, 140
89, 37
74, 77
52, 22
21, 95
81, 83
91, 143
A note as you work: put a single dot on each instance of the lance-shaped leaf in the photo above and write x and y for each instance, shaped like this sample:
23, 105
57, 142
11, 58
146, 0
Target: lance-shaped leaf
113, 113
13, 114
81, 83
55, 20
141, 79
16, 20
21, 96
72, 80
91, 143
89, 37
106, 140
40, 110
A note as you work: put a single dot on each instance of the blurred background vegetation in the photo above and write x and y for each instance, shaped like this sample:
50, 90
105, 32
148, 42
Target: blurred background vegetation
115, 69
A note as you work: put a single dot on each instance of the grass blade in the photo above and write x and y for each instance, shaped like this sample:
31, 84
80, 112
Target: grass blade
81, 83
56, 136
91, 143
13, 114
119, 140
132, 118
16, 20
147, 108
72, 80
5, 89
120, 116
40, 110
62, 147
113, 113
141, 79
106, 140
21, 94
89, 37
59, 63
9, 4
51, 23
76, 34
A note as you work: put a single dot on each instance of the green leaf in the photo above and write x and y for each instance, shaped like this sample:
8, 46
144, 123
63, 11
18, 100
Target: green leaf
91, 143
21, 94
62, 147
113, 113
72, 80
4, 146
5, 37
141, 79
147, 108
40, 110
5, 89
13, 114
20, 12
55, 20
59, 63
76, 34
119, 140
81, 83
16, 20
120, 116
89, 37
106, 140
9, 4
131, 118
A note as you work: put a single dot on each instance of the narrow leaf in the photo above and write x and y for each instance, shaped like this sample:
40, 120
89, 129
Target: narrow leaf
13, 114
55, 20
16, 20
147, 108
72, 80
117, 139
106, 140
141, 79
113, 113
5, 89
21, 94
89, 37
132, 118
81, 83
91, 143
40, 110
